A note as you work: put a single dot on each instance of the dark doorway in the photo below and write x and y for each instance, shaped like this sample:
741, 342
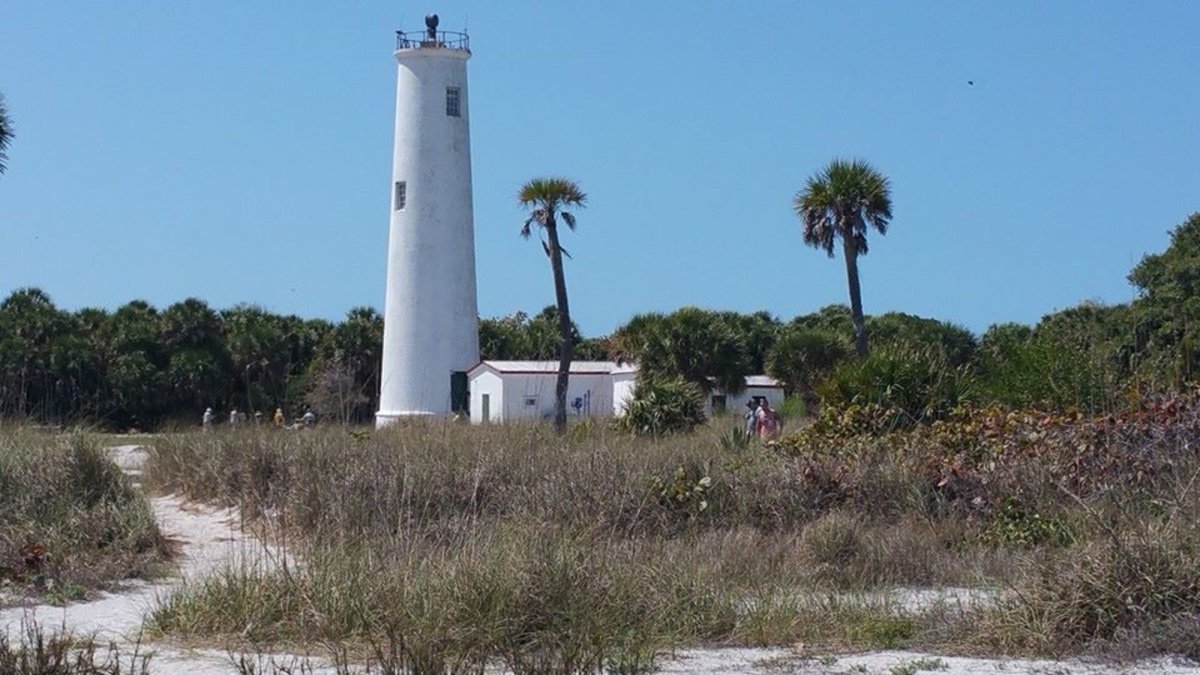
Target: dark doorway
459, 396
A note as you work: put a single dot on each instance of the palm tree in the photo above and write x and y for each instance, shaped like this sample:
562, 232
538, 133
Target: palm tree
6, 132
547, 197
842, 202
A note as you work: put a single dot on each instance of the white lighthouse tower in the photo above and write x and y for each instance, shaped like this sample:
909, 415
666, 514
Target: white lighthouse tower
431, 321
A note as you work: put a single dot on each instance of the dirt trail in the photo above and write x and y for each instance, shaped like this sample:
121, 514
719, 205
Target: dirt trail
212, 538
209, 539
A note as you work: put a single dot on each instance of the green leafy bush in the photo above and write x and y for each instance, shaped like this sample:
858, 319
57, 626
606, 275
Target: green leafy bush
1050, 370
664, 407
918, 384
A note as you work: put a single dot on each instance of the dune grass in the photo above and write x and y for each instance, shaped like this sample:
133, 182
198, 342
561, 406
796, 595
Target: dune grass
37, 651
441, 547
69, 519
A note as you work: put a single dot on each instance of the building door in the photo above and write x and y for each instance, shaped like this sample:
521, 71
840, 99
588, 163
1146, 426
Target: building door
459, 401
718, 404
485, 407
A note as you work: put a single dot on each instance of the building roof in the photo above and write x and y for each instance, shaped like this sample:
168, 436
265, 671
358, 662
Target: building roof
590, 368
546, 367
762, 381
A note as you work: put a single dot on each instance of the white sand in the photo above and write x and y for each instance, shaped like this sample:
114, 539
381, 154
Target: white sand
209, 538
212, 538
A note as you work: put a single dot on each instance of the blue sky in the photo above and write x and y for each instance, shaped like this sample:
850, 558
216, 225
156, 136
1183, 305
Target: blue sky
240, 151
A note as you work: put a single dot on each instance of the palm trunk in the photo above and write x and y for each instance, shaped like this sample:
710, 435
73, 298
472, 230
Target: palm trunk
856, 311
565, 348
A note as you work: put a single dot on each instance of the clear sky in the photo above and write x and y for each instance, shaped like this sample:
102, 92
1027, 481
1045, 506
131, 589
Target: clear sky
241, 151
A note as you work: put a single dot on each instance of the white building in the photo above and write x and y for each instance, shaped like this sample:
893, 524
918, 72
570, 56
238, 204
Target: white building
509, 391
431, 323
505, 391
760, 386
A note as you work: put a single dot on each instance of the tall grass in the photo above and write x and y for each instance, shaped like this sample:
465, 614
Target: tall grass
39, 652
69, 519
446, 546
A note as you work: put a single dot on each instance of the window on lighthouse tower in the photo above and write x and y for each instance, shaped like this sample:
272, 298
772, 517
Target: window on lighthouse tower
401, 196
452, 102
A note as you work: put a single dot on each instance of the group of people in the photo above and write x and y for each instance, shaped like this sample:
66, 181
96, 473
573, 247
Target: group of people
238, 418
762, 420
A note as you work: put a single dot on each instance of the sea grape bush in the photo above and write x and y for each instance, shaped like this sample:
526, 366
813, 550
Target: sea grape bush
990, 463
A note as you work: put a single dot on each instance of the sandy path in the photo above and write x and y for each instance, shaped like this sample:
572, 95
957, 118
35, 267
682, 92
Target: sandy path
209, 539
212, 538
785, 661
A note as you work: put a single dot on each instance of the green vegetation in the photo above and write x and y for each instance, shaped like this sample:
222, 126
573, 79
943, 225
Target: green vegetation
138, 366
446, 545
548, 198
843, 202
458, 544
918, 665
708, 349
664, 407
521, 337
69, 519
915, 384
6, 134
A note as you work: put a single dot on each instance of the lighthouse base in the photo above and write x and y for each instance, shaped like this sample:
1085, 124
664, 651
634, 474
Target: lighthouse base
385, 419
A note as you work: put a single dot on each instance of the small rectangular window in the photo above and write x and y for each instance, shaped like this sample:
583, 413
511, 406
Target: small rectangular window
452, 103
401, 197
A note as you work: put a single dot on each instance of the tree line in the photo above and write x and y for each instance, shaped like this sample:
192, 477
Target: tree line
141, 366
138, 366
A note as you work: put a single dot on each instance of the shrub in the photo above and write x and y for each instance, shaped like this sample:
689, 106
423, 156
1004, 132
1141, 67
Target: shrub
69, 519
1042, 371
451, 544
792, 408
801, 357
664, 407
1144, 577
918, 384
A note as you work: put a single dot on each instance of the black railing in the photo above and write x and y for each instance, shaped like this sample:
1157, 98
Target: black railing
424, 39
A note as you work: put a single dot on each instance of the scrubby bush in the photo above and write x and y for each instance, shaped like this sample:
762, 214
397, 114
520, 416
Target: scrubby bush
448, 543
69, 519
1142, 578
663, 407
1047, 370
915, 384
802, 356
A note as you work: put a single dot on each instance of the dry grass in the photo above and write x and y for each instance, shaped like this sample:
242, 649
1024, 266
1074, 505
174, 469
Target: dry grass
37, 652
445, 547
69, 519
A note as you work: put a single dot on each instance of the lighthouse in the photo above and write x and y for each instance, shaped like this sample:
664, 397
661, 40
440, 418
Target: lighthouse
431, 320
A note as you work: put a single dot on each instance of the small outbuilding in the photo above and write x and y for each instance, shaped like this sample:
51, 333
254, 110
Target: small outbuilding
757, 386
505, 391
509, 391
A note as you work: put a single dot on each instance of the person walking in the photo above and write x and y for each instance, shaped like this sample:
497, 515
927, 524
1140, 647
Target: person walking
310, 418
751, 418
768, 421
233, 418
279, 418
206, 421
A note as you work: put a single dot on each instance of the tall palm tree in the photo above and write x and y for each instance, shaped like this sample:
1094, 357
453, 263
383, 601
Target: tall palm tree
6, 133
547, 197
843, 202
